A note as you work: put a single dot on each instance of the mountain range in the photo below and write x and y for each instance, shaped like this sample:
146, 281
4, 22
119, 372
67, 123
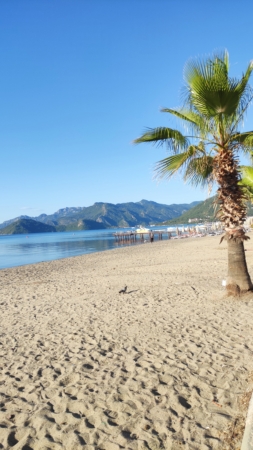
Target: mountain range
98, 216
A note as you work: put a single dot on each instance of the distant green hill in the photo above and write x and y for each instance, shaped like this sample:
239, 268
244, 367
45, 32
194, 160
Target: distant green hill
27, 226
204, 211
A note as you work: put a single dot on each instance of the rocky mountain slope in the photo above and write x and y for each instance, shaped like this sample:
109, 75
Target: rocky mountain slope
109, 215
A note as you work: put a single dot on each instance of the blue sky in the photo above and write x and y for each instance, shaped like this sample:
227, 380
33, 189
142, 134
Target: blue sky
80, 79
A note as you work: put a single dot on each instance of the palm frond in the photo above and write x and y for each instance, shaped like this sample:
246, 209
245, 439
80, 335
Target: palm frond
247, 176
170, 165
246, 182
244, 90
200, 171
242, 138
181, 161
186, 115
211, 91
173, 138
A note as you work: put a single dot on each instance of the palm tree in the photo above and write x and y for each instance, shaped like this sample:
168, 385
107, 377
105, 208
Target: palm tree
208, 148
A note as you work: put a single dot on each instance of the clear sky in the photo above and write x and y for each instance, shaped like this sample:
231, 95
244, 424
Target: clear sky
80, 79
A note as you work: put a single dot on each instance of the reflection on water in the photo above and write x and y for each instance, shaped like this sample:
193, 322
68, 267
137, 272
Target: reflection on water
18, 250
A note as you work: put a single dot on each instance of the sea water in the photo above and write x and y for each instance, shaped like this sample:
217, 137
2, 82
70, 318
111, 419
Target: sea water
20, 249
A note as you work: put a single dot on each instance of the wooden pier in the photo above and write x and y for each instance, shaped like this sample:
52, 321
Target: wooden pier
178, 233
132, 236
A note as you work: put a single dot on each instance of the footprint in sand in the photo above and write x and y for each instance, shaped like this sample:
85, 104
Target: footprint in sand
70, 379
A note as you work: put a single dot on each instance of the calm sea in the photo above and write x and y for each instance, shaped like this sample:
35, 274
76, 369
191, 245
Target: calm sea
18, 250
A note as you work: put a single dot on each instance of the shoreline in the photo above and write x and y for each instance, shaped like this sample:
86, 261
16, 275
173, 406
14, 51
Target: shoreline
159, 367
92, 244
94, 250
118, 245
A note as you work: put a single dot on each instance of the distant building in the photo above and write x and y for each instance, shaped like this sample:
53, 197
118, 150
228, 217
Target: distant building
249, 221
193, 220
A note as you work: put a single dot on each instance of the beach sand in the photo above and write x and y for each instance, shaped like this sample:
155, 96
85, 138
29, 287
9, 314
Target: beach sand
161, 367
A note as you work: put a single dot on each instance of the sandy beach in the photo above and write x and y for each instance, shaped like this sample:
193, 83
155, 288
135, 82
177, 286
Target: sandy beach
163, 366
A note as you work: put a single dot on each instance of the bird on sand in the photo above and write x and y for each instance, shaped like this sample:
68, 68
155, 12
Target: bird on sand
123, 291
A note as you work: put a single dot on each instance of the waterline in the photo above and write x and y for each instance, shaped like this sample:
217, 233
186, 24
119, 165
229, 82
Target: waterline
19, 250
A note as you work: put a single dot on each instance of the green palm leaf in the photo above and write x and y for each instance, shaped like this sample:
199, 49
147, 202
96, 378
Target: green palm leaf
211, 91
170, 165
173, 138
181, 161
187, 116
200, 171
198, 123
247, 176
245, 139
247, 181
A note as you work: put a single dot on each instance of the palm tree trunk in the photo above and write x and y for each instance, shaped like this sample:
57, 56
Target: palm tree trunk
232, 213
238, 279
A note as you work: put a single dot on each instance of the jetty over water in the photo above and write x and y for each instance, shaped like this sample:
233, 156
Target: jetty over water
132, 236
